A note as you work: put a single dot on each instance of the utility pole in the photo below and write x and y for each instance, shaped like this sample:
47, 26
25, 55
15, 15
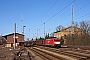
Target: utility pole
22, 27
23, 30
72, 25
21, 24
14, 35
44, 29
37, 33
33, 35
29, 34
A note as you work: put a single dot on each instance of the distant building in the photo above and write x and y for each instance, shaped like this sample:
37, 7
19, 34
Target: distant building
10, 39
67, 32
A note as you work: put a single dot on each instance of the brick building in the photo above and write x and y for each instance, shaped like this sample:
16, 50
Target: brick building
10, 39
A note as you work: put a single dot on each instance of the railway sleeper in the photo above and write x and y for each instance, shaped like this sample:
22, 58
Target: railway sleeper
75, 56
46, 55
81, 54
60, 57
83, 58
70, 54
38, 53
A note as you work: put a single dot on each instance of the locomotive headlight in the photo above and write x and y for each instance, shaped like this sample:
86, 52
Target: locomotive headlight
48, 41
57, 42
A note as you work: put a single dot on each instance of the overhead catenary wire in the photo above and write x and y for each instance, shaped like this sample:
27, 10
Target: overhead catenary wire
71, 13
47, 12
82, 16
82, 7
49, 9
61, 11
45, 15
75, 19
67, 15
58, 11
74, 12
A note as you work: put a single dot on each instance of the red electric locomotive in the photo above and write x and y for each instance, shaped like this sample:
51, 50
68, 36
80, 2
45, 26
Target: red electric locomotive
49, 42
53, 42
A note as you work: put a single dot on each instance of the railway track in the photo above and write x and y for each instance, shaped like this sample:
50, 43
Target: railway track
46, 55
74, 53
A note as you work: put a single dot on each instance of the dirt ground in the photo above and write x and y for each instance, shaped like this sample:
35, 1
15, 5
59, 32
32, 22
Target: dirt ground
19, 53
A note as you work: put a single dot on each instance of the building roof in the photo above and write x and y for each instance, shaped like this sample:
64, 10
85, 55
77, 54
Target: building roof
67, 28
13, 34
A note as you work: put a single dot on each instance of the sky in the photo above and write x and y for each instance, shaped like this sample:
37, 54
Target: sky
34, 13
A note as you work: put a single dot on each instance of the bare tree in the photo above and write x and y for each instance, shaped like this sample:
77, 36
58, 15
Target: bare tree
83, 39
76, 24
85, 25
2, 40
52, 34
60, 28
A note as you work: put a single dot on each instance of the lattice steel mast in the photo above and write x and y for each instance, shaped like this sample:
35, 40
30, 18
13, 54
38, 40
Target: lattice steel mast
72, 25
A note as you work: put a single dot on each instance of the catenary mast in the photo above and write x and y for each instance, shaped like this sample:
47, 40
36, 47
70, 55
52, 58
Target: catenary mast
72, 25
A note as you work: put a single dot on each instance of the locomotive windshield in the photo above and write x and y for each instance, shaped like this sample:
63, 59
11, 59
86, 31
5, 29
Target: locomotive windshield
51, 37
48, 39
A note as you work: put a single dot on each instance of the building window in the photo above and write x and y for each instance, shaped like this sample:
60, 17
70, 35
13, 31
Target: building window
68, 35
64, 35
